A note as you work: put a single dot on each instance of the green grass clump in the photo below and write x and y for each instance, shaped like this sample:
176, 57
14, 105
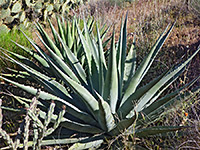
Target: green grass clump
6, 43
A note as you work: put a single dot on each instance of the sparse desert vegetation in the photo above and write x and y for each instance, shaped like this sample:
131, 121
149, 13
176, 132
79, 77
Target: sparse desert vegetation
99, 79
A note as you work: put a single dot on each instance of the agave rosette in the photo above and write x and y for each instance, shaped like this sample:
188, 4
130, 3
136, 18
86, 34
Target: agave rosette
100, 89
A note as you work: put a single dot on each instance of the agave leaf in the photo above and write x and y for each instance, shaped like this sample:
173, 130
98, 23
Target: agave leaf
162, 89
70, 38
111, 83
156, 94
100, 47
93, 79
121, 54
95, 76
128, 105
46, 96
18, 72
145, 99
77, 22
16, 110
145, 65
54, 34
92, 142
85, 47
1, 115
37, 48
74, 29
66, 123
43, 95
154, 113
91, 45
104, 32
105, 44
168, 97
63, 23
157, 130
84, 94
48, 40
24, 101
61, 141
82, 146
24, 59
75, 46
90, 24
74, 62
153, 94
50, 142
61, 31
130, 65
123, 125
61, 63
102, 63
106, 119
52, 89
21, 100
33, 54
16, 76
51, 84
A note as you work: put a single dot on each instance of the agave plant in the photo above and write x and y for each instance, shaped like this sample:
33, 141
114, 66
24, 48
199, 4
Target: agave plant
101, 90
